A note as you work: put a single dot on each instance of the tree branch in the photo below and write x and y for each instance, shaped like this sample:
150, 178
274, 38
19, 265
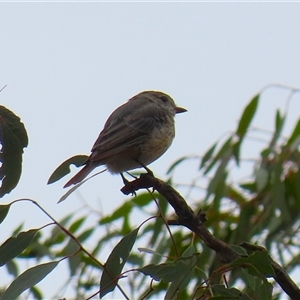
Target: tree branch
195, 222
186, 216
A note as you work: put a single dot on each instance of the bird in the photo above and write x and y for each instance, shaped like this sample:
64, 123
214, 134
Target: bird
135, 134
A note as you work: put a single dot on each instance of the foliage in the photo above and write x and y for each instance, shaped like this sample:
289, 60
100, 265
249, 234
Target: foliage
257, 217
13, 139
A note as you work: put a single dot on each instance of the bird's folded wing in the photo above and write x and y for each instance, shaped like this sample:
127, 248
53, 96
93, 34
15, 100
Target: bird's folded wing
119, 136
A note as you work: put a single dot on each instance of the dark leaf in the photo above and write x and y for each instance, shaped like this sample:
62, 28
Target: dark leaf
223, 153
28, 279
74, 262
12, 268
64, 168
115, 263
223, 293
13, 138
15, 245
169, 272
247, 117
259, 260
185, 271
293, 141
4, 211
243, 126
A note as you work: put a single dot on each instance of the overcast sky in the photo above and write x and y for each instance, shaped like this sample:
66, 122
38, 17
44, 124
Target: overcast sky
67, 66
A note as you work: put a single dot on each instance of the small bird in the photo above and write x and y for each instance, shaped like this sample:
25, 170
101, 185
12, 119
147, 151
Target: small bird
136, 134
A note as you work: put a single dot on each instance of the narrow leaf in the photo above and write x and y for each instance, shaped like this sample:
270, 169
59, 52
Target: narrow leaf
120, 212
171, 271
115, 263
184, 270
279, 120
244, 123
28, 279
4, 211
219, 178
77, 224
16, 245
75, 187
12, 268
208, 154
295, 134
86, 234
224, 152
261, 178
64, 169
247, 117
223, 293
176, 163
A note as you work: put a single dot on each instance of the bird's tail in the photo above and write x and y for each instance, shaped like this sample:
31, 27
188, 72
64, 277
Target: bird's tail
85, 171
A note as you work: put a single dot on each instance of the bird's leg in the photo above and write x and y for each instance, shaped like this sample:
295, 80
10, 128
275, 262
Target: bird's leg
125, 181
127, 184
146, 168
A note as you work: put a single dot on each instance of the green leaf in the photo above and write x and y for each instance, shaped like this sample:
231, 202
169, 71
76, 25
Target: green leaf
185, 271
16, 245
143, 199
235, 195
264, 290
166, 271
72, 248
13, 138
295, 134
76, 225
115, 263
74, 262
208, 154
223, 153
18, 229
217, 183
4, 211
28, 279
120, 212
243, 125
86, 234
279, 121
247, 117
223, 293
64, 168
239, 250
261, 178
171, 271
259, 260
70, 191
176, 163
12, 268
248, 187
36, 293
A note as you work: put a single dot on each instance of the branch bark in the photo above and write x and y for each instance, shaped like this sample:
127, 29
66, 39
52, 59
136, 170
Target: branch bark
195, 222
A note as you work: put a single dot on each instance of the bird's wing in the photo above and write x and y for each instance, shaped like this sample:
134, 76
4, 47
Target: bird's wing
124, 129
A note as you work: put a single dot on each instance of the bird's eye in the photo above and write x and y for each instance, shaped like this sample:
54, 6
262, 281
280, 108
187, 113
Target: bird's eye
164, 99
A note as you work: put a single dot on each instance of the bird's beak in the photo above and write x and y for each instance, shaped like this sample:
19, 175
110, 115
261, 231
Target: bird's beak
180, 110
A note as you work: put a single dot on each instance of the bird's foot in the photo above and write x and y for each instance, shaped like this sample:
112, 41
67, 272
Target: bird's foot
128, 185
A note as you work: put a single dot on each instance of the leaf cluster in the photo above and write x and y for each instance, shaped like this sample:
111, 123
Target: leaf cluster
256, 219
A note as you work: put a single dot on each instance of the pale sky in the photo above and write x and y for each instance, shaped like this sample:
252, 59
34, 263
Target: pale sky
67, 66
